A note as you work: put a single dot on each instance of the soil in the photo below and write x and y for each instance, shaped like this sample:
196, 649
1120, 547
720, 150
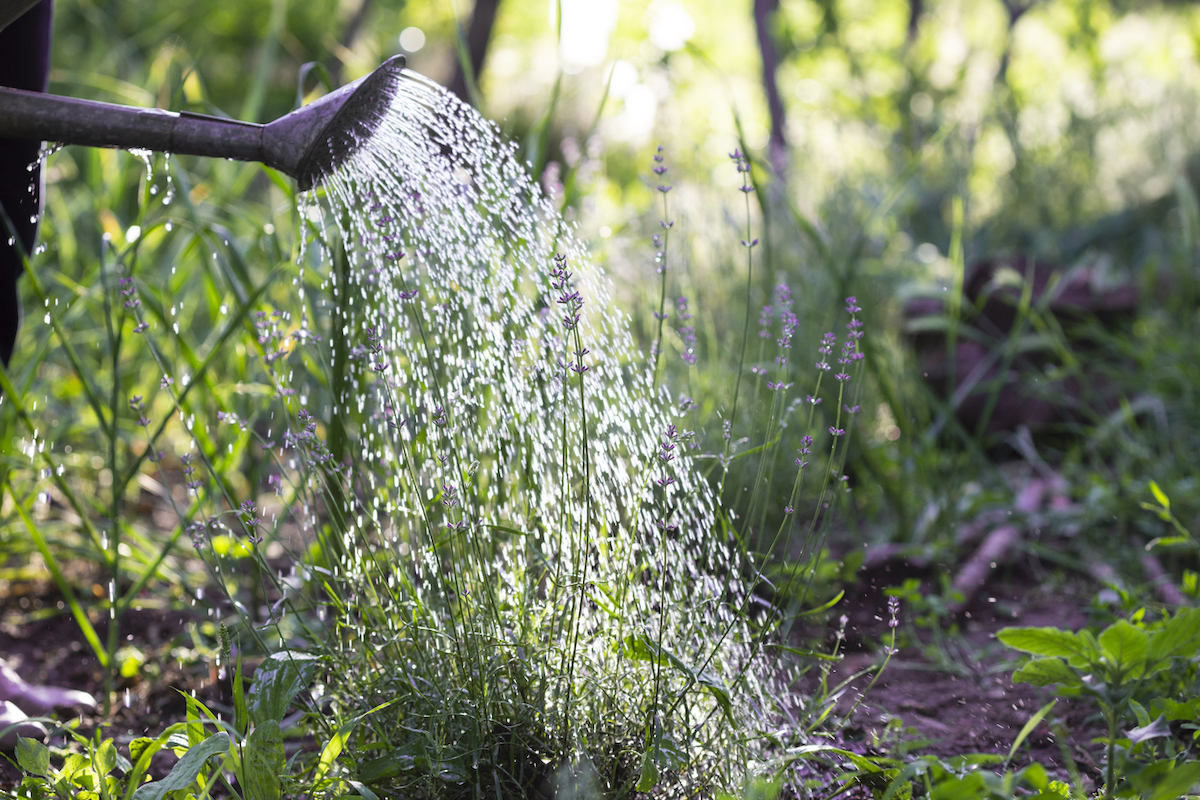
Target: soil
949, 692
945, 701
41, 641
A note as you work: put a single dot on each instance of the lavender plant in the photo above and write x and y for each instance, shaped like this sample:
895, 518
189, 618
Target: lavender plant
520, 576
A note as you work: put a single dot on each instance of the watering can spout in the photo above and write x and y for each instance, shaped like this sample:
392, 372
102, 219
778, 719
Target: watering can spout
307, 144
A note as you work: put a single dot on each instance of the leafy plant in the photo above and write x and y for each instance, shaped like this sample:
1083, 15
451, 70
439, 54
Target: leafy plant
1140, 671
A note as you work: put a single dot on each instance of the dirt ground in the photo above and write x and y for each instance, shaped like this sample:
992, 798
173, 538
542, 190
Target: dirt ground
953, 695
944, 701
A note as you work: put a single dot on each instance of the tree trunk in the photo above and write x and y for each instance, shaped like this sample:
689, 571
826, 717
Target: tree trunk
483, 19
764, 17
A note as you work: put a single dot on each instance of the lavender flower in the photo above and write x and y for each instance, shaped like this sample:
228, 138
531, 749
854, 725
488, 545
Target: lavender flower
764, 321
825, 349
129, 291
742, 162
569, 298
803, 451
189, 471
660, 170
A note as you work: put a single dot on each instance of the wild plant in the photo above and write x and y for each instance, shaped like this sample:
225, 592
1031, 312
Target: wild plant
87, 403
522, 561
519, 576
1142, 673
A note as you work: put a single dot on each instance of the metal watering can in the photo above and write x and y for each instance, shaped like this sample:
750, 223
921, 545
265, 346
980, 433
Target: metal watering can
307, 144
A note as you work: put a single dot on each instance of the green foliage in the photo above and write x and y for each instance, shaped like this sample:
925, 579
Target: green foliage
926, 158
101, 772
1140, 671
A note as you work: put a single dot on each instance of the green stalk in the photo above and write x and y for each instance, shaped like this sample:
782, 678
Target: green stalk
114, 553
662, 294
737, 386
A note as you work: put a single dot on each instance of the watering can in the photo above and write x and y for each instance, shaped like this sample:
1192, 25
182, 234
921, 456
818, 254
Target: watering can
307, 144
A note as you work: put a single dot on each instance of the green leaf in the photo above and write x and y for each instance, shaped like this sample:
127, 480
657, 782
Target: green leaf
1047, 642
184, 773
1027, 729
837, 598
1178, 638
241, 720
639, 647
813, 654
264, 762
333, 748
649, 777
105, 757
1176, 783
1167, 541
389, 766
33, 756
1176, 711
1160, 496
196, 713
277, 681
1126, 646
1046, 671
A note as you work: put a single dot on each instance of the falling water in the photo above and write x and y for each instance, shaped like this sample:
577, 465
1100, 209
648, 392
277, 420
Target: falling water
515, 461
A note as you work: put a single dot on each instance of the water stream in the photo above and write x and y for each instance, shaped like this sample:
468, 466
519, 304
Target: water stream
532, 486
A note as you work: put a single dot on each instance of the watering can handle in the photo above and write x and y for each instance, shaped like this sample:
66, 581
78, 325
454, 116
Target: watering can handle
69, 120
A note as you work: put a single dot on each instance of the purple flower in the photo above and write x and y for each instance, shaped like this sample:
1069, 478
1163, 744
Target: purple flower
129, 291
743, 167
788, 322
568, 298
764, 321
